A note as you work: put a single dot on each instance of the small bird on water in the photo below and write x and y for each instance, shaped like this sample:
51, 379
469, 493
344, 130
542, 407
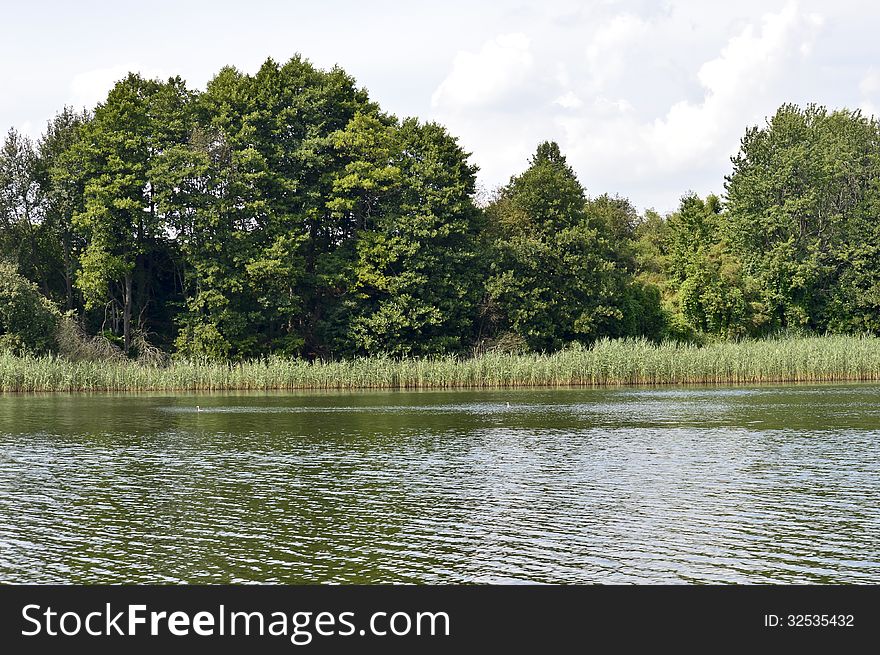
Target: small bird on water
198, 409
508, 403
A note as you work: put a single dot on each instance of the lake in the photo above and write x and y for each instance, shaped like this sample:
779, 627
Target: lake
625, 485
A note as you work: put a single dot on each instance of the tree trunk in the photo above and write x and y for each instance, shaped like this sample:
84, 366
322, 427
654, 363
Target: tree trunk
126, 313
143, 273
68, 269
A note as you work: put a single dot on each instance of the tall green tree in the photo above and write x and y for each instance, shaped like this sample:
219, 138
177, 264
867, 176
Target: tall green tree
688, 258
22, 209
212, 202
638, 309
555, 277
63, 182
124, 231
215, 197
27, 318
800, 197
288, 236
416, 276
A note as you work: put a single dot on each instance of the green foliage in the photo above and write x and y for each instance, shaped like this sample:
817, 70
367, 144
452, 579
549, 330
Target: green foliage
25, 238
121, 149
268, 197
561, 266
802, 201
211, 200
283, 213
416, 278
27, 318
642, 311
687, 258
63, 183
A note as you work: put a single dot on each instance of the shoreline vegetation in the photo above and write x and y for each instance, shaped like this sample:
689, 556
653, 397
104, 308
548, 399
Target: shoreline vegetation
282, 217
832, 358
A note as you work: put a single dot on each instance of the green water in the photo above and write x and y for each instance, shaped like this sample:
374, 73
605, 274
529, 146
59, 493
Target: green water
745, 485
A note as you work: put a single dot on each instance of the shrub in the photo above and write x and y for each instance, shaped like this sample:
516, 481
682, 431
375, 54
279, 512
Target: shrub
27, 319
76, 345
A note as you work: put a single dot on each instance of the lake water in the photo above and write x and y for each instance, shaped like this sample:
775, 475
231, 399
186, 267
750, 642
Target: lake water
632, 485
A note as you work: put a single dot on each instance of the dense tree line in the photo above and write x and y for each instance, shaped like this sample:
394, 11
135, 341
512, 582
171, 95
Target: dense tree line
284, 212
793, 245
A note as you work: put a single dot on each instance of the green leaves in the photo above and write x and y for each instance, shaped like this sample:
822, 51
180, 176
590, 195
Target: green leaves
126, 177
284, 212
27, 319
414, 286
802, 192
561, 266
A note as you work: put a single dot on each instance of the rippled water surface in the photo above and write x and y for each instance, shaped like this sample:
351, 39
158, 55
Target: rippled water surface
766, 484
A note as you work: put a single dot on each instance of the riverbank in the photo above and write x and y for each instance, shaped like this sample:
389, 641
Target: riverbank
607, 363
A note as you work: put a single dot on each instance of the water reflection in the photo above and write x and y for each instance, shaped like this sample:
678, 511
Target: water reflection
630, 485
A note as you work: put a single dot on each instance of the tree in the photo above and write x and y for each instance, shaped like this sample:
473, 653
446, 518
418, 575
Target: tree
63, 182
689, 258
123, 230
271, 174
22, 209
638, 310
555, 276
801, 198
210, 197
27, 318
416, 279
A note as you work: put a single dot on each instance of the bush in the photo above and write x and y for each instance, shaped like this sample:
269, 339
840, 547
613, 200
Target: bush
28, 320
77, 346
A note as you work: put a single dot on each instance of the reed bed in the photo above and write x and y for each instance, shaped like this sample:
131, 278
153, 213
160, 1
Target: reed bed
606, 363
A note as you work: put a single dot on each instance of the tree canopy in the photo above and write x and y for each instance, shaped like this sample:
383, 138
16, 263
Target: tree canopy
285, 212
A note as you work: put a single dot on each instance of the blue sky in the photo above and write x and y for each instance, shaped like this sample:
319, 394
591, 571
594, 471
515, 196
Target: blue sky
647, 99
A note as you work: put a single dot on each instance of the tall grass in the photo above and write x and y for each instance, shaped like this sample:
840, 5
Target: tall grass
608, 362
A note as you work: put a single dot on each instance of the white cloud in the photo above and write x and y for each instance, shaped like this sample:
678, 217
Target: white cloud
635, 112
738, 84
607, 106
569, 100
870, 84
28, 129
610, 47
868, 108
487, 77
869, 87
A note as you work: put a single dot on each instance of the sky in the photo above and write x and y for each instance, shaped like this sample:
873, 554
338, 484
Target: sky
648, 100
